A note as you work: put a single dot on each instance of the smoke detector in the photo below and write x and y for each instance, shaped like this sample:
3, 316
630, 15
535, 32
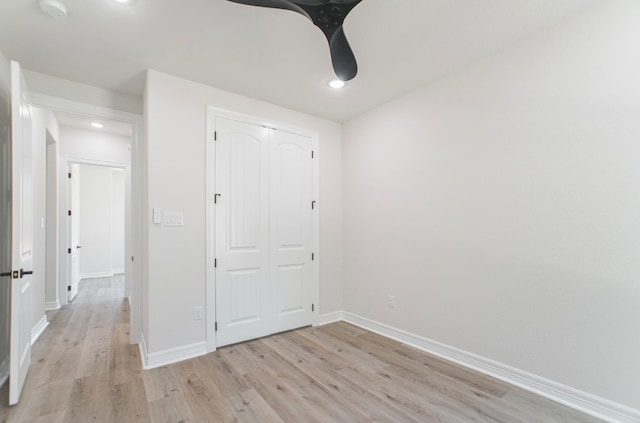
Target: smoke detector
53, 8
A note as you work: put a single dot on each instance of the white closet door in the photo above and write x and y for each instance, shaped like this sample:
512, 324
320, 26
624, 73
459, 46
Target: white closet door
242, 230
291, 229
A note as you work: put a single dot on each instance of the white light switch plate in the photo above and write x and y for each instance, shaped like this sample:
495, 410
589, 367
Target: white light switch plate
173, 219
157, 215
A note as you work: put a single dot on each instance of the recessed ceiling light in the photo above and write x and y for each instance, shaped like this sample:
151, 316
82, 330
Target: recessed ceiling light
336, 83
97, 125
122, 1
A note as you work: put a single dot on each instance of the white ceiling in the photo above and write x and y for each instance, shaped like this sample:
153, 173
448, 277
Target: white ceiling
84, 122
273, 55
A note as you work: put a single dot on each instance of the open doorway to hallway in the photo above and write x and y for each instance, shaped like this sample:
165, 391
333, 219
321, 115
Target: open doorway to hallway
97, 223
94, 201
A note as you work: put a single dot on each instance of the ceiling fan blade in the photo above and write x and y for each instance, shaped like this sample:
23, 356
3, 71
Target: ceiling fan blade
328, 15
275, 4
344, 62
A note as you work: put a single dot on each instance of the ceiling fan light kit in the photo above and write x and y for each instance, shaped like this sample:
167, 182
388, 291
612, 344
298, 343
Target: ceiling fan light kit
328, 15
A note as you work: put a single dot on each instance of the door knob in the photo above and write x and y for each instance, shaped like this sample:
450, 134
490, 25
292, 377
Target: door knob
25, 272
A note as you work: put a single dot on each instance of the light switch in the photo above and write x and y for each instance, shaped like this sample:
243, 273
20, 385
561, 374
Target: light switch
173, 219
157, 215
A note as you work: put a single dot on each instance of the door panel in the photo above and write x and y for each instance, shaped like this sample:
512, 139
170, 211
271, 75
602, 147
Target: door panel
291, 233
22, 239
242, 248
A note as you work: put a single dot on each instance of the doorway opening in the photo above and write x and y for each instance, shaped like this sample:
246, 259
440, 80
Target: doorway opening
116, 147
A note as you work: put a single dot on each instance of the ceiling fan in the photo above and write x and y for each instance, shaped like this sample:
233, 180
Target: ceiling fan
328, 15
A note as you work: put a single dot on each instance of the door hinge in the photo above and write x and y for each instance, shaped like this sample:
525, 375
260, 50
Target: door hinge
313, 205
312, 154
69, 288
69, 212
313, 307
313, 257
69, 250
216, 326
215, 198
69, 175
215, 135
131, 258
215, 262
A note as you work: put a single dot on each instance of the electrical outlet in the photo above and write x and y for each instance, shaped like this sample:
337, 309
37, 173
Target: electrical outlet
198, 313
391, 301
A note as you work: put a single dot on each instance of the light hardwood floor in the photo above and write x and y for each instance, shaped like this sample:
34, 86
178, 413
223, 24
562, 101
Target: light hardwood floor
84, 370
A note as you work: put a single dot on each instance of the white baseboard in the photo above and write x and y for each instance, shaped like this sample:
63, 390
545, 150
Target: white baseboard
96, 275
571, 397
170, 356
37, 330
4, 371
52, 305
325, 319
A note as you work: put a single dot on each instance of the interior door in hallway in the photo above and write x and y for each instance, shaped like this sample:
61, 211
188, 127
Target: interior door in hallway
241, 228
74, 230
22, 233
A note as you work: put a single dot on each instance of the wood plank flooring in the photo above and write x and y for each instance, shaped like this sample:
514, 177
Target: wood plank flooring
84, 370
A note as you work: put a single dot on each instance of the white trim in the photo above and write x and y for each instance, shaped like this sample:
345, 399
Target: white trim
39, 327
4, 372
325, 319
170, 356
210, 247
119, 271
571, 397
142, 346
64, 105
52, 305
94, 275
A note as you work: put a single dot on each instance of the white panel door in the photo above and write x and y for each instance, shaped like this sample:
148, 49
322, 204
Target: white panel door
22, 235
74, 231
291, 229
242, 246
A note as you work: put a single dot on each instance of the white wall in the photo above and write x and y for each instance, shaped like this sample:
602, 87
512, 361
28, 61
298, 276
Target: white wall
52, 232
44, 130
70, 90
175, 113
500, 206
117, 220
94, 146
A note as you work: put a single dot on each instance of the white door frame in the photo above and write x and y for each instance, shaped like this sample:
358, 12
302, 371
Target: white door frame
65, 204
210, 155
133, 240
